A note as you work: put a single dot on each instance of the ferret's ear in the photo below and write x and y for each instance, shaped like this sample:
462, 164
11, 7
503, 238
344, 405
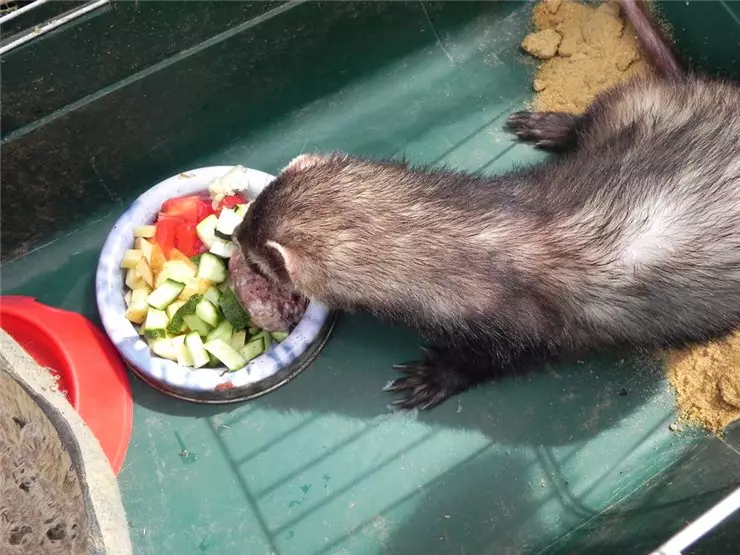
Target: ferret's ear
290, 260
303, 162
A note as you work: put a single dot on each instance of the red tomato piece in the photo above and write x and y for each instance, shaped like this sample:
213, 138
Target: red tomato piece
230, 201
186, 239
186, 208
165, 233
205, 209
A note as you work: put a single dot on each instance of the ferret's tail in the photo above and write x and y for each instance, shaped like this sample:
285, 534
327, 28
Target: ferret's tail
660, 52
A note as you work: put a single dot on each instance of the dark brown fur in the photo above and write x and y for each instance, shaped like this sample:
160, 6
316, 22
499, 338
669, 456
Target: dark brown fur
630, 238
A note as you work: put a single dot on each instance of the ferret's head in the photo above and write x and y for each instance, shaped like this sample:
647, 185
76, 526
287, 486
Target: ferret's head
284, 232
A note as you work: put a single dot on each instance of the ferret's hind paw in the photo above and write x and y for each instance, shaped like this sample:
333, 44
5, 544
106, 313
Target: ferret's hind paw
426, 383
546, 130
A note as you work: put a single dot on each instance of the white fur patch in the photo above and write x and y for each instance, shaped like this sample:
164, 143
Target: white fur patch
303, 162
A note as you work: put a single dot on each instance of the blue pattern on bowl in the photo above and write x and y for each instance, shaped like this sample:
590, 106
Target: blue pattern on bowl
110, 289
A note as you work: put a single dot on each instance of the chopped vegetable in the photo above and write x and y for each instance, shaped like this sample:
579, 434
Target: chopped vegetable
197, 325
165, 294
223, 331
211, 268
233, 311
206, 230
207, 312
145, 231
252, 350
155, 326
131, 258
177, 320
194, 344
223, 352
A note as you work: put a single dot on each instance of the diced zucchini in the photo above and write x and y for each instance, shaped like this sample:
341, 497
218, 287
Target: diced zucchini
172, 309
223, 352
222, 248
253, 330
165, 294
143, 270
223, 331
279, 336
194, 286
238, 339
195, 259
266, 338
155, 326
138, 307
253, 349
177, 321
227, 222
131, 258
197, 325
241, 210
213, 295
145, 231
184, 358
206, 230
213, 362
212, 268
232, 309
141, 244
207, 312
198, 354
164, 348
178, 270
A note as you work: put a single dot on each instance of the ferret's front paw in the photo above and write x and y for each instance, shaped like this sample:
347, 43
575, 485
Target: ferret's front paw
426, 383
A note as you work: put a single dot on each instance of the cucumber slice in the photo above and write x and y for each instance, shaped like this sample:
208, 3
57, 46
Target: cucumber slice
238, 340
212, 268
265, 336
233, 310
196, 324
222, 248
145, 231
253, 330
223, 352
207, 312
172, 309
165, 294
241, 210
206, 230
155, 326
280, 336
227, 222
164, 348
213, 295
178, 270
177, 322
198, 354
223, 331
252, 350
183, 356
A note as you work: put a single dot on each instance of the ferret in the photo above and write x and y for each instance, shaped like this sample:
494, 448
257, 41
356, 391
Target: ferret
629, 238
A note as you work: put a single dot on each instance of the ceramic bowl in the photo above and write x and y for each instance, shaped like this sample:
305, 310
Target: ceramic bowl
278, 365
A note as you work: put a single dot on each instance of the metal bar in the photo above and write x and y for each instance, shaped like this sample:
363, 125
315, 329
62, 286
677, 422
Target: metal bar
53, 24
21, 11
706, 522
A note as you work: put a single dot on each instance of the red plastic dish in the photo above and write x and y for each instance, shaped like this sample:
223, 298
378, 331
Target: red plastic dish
90, 371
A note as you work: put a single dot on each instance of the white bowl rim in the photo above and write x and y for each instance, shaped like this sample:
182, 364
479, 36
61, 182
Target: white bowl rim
109, 286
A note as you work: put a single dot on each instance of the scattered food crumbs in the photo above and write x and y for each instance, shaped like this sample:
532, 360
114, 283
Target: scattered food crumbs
707, 382
584, 49
675, 427
622, 392
542, 44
